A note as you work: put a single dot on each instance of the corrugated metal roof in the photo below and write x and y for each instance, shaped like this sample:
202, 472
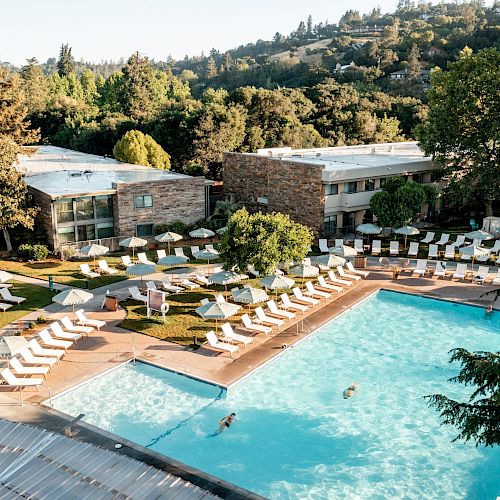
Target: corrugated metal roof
35, 463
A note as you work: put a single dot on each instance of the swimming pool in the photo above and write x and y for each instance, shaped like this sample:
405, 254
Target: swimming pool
295, 435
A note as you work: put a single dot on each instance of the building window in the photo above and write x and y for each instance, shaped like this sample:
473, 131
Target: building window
142, 230
348, 220
369, 184
331, 189
418, 178
104, 207
382, 182
350, 187
66, 234
105, 230
84, 208
64, 211
143, 201
86, 232
330, 225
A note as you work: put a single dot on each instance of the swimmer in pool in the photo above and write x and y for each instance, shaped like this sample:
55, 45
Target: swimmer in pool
350, 391
489, 310
225, 423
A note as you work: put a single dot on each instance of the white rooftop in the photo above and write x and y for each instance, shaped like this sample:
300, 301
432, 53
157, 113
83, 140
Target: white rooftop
352, 162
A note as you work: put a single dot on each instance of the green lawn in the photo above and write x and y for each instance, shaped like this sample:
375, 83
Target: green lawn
36, 297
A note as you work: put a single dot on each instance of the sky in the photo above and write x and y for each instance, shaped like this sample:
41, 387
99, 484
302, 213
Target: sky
109, 29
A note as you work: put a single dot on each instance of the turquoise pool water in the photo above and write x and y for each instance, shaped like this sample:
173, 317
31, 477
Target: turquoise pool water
295, 435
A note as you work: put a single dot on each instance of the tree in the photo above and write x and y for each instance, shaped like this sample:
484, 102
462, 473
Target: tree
211, 68
462, 132
225, 208
478, 419
309, 25
35, 86
263, 241
141, 149
66, 62
400, 201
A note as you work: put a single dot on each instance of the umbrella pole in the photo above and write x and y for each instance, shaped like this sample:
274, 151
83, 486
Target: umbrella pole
168, 243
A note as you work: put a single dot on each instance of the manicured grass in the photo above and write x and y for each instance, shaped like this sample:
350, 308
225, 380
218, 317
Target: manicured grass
36, 297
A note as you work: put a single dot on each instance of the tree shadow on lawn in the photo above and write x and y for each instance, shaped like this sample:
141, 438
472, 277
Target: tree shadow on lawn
43, 265
192, 298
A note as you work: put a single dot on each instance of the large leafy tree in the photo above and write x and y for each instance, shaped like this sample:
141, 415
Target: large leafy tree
35, 86
462, 132
263, 241
14, 132
141, 149
400, 201
477, 419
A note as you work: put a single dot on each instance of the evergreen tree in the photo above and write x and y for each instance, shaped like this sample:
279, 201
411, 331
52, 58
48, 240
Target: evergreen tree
309, 25
141, 149
211, 71
66, 62
301, 30
35, 86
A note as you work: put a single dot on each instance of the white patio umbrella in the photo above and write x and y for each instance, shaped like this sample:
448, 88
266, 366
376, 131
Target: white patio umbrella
140, 270
201, 233
133, 243
479, 235
168, 238
222, 230
407, 231
368, 229
206, 255
473, 251
5, 276
343, 251
225, 278
217, 310
249, 295
304, 271
72, 297
276, 282
328, 260
172, 260
94, 250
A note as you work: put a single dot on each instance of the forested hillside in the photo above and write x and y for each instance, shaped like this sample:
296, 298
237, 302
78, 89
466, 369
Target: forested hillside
291, 91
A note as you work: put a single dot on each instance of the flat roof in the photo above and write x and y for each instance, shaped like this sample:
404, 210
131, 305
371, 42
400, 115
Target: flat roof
351, 162
63, 184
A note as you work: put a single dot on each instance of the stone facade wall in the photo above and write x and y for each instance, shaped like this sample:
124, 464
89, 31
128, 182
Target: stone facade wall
173, 200
290, 187
45, 216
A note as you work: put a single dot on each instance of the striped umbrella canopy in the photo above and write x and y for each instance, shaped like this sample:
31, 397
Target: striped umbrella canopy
5, 276
344, 251
72, 297
249, 295
140, 270
94, 250
368, 229
168, 237
407, 231
478, 235
304, 271
276, 282
329, 260
217, 310
172, 260
205, 255
133, 242
201, 233
225, 278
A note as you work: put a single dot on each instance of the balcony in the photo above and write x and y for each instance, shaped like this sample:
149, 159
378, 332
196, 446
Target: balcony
348, 201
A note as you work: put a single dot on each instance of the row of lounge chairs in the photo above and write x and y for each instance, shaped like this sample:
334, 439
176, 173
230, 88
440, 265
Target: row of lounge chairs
481, 275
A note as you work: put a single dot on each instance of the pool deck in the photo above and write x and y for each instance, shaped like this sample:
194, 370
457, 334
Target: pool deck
105, 349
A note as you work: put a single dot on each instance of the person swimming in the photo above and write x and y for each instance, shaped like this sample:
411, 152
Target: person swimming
225, 423
350, 391
489, 310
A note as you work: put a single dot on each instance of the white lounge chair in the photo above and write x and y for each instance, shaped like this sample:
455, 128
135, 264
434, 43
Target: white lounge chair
376, 247
179, 251
429, 237
103, 266
323, 285
200, 278
213, 341
299, 296
413, 250
211, 248
48, 340
83, 320
445, 238
69, 327
4, 306
343, 274
483, 258
126, 260
495, 249
323, 245
85, 268
229, 333
20, 369
292, 306
440, 271
358, 246
496, 279
30, 358
168, 286
191, 285
281, 313
332, 278
59, 333
161, 254
433, 252
459, 241
262, 317
466, 258
249, 325
311, 291
394, 248
421, 267
38, 350
339, 242
143, 259
20, 382
151, 285
8, 297
460, 272
194, 250
137, 295
449, 252
481, 275
353, 270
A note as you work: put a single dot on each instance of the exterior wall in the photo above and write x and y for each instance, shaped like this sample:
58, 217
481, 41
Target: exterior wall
290, 187
45, 216
173, 200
